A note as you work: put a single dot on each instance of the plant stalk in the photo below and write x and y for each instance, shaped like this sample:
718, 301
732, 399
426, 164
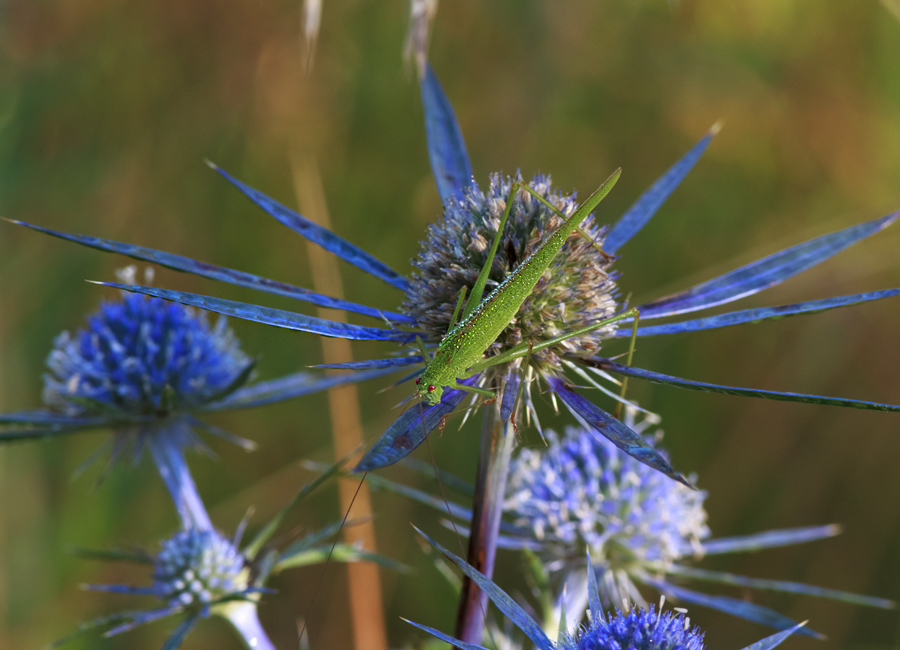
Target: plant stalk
497, 440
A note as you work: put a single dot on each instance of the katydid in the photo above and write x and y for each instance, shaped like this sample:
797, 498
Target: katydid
462, 349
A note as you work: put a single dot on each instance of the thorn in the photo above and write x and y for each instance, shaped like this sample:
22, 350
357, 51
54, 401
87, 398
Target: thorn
714, 130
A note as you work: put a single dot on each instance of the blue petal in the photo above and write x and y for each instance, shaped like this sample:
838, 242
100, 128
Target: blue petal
760, 314
373, 363
510, 391
596, 606
224, 274
783, 586
50, 418
775, 640
142, 617
121, 589
319, 235
615, 431
740, 608
184, 628
446, 147
443, 637
269, 316
408, 431
499, 597
658, 378
288, 387
763, 273
767, 539
630, 223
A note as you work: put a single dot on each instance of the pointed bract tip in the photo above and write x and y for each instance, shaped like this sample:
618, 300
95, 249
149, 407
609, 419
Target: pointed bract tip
715, 128
889, 219
211, 164
835, 529
14, 221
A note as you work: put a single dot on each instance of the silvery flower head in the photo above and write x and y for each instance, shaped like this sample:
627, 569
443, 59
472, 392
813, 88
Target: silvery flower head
198, 572
577, 288
581, 495
636, 629
197, 568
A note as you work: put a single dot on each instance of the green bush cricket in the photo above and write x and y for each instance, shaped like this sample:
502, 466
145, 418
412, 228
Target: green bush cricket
460, 353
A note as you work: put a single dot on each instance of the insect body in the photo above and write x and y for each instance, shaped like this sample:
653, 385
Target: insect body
484, 320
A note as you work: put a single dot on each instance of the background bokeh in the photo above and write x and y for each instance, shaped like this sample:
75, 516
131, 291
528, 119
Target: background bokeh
108, 109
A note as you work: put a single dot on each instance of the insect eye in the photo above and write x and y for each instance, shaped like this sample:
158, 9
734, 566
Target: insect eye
430, 388
418, 380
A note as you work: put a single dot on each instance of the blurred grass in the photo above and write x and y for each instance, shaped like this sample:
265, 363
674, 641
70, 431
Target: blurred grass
107, 111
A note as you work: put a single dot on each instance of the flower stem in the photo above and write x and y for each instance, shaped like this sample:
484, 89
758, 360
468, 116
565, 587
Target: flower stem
174, 471
497, 438
243, 616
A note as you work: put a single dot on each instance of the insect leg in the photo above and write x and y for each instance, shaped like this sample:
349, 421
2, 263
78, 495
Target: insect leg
459, 304
478, 288
522, 349
523, 377
634, 329
425, 356
591, 240
473, 389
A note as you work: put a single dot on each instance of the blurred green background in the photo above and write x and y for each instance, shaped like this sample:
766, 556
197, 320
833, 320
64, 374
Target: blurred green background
108, 109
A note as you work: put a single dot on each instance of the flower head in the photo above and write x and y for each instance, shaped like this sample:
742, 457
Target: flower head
580, 497
577, 290
580, 494
198, 573
142, 356
638, 629
196, 568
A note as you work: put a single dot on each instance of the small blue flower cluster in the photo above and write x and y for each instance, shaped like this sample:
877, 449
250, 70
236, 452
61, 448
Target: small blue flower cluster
639, 629
198, 567
583, 494
142, 356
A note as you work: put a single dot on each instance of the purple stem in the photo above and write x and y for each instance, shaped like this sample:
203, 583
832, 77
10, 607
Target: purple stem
242, 615
169, 459
497, 438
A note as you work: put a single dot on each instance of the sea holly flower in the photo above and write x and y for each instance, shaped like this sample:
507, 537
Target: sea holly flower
582, 497
146, 368
579, 288
198, 573
636, 629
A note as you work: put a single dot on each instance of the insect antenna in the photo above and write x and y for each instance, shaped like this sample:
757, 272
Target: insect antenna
337, 536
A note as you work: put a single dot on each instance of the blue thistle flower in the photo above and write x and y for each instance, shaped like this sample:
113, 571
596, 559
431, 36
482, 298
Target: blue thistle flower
581, 497
145, 368
580, 494
142, 357
638, 629
641, 629
198, 573
579, 288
